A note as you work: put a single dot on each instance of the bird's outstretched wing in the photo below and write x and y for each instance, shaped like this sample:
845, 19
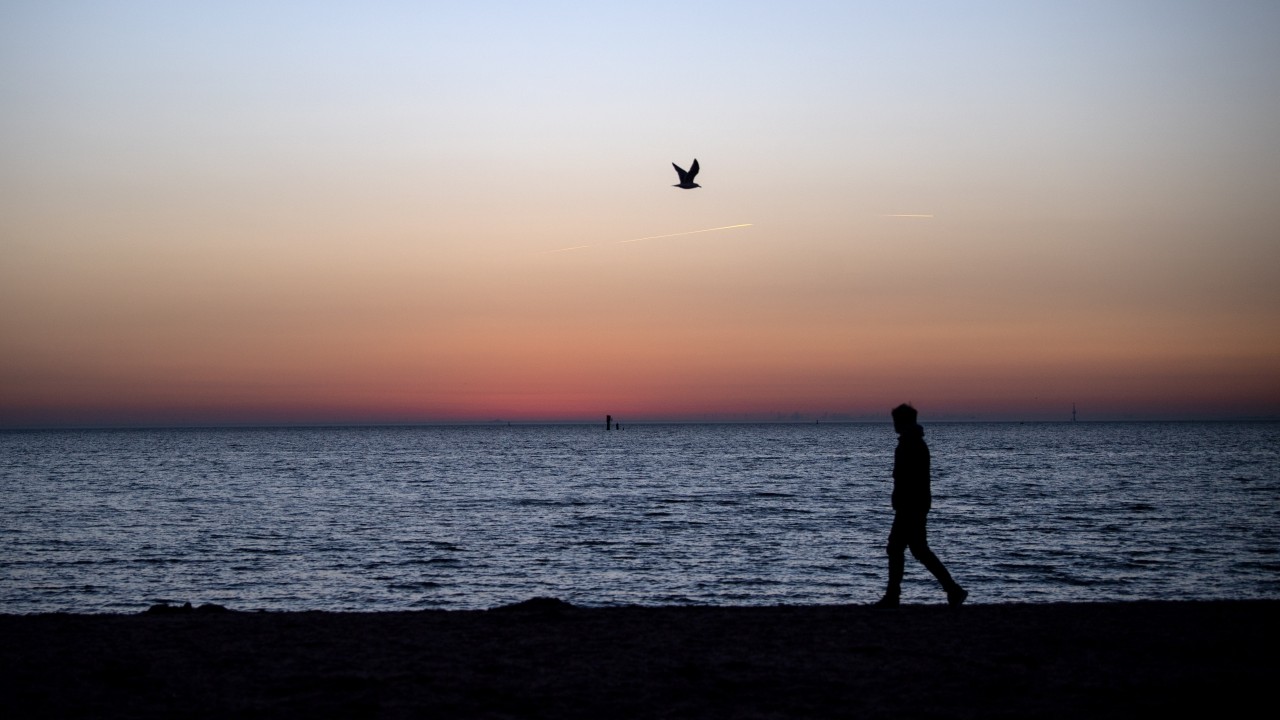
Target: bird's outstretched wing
685, 177
693, 170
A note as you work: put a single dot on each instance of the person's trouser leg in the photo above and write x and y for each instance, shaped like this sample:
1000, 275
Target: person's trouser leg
919, 544
897, 549
897, 567
926, 557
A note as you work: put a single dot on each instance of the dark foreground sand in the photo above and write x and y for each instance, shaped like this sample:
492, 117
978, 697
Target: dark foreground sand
545, 659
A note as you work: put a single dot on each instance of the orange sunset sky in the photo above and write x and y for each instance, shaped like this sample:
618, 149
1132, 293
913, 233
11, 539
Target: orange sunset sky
242, 213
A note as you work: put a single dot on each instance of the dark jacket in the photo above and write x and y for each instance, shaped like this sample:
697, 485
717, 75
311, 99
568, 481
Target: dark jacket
911, 473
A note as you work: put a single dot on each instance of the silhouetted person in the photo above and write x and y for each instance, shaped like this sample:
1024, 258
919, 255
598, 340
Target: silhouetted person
911, 503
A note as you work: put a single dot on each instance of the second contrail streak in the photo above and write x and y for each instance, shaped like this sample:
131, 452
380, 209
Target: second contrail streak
651, 237
690, 232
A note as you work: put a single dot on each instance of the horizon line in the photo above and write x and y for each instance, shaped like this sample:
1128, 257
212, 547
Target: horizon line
947, 420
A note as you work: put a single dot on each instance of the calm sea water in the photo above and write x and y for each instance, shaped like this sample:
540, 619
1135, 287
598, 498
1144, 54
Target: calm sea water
475, 517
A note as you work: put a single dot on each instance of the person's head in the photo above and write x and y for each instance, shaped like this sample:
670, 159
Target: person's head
904, 418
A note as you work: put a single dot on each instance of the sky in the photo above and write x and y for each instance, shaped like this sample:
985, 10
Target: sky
275, 212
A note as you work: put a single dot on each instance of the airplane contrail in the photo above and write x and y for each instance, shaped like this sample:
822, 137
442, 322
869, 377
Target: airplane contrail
690, 232
567, 249
651, 237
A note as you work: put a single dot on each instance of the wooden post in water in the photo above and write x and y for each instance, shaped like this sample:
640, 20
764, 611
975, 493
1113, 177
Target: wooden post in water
608, 422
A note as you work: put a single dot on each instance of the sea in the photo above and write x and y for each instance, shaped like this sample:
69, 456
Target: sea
479, 516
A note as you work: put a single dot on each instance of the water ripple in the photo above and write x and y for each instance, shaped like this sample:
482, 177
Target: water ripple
470, 517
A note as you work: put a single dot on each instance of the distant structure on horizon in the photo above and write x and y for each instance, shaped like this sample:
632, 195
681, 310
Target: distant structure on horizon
1073, 412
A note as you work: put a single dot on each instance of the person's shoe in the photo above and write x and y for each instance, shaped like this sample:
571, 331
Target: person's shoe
888, 601
957, 596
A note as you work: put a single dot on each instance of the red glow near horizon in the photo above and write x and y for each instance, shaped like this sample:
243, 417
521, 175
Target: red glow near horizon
266, 230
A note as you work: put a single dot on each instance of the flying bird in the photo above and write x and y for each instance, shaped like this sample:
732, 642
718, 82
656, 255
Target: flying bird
686, 178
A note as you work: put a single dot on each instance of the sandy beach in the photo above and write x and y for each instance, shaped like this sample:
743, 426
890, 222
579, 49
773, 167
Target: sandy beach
547, 659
